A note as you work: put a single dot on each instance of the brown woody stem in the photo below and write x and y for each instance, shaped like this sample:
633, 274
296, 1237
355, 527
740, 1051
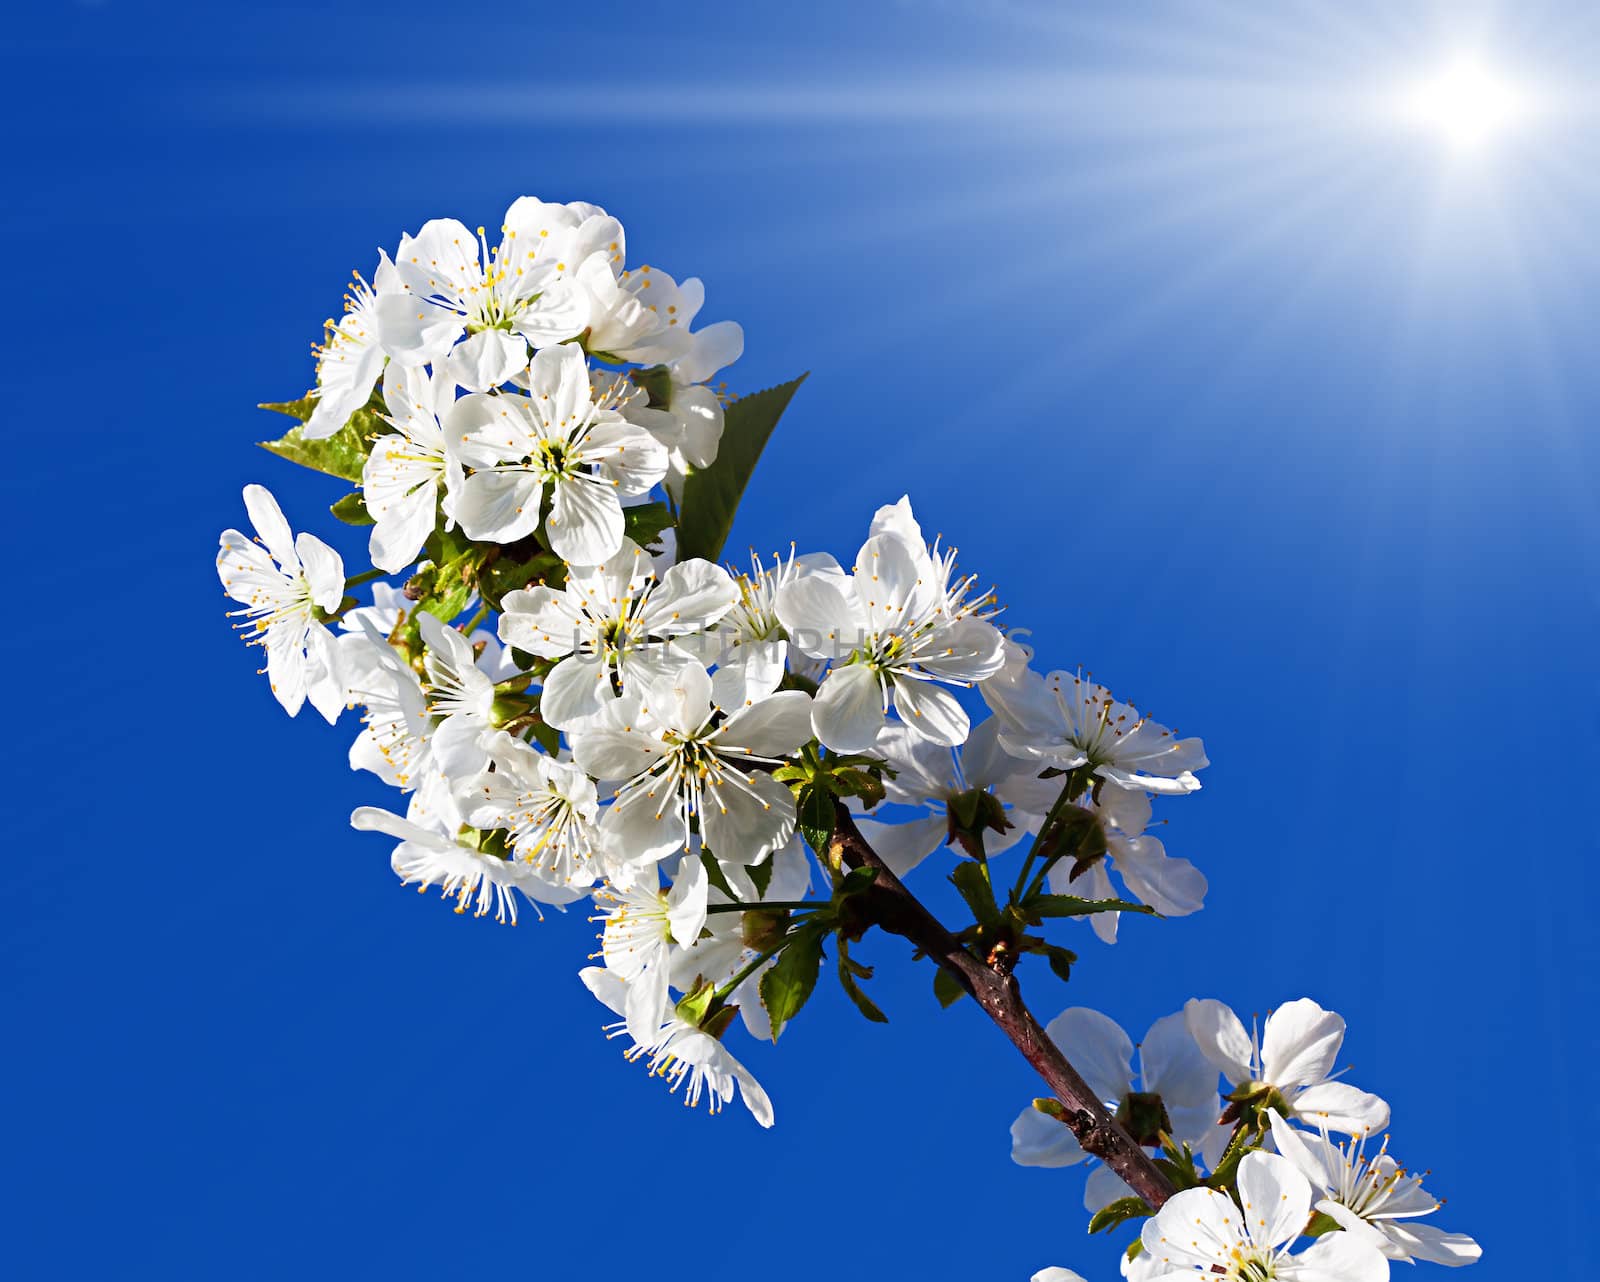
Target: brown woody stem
995, 989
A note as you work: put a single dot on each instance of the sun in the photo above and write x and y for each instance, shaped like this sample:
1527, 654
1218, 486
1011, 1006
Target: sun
1467, 103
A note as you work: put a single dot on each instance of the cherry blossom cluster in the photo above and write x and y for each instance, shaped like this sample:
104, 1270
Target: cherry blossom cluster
576, 708
1270, 1134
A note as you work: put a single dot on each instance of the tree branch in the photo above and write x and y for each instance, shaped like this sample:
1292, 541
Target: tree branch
995, 989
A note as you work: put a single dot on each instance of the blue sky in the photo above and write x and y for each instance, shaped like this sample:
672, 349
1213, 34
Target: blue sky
1271, 410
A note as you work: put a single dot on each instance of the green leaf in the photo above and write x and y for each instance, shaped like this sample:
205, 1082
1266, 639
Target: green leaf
1119, 1212
856, 881
643, 524
446, 545
711, 495
860, 783
972, 880
1072, 906
815, 814
761, 875
446, 589
509, 575
1226, 1172
343, 454
1060, 960
1176, 1175
1177, 1164
547, 736
693, 1007
787, 985
947, 988
848, 973
352, 510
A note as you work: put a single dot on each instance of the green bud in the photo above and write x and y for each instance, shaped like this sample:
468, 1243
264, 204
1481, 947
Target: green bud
694, 1005
717, 1022
1144, 1116
763, 929
509, 707
657, 384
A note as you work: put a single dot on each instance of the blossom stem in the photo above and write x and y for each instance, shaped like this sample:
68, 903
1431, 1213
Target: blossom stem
995, 989
1076, 785
793, 905
366, 576
1068, 794
755, 964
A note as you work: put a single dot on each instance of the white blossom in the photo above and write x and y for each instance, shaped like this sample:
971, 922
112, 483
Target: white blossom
683, 413
1294, 1057
752, 632
349, 363
1171, 1069
409, 470
554, 438
1173, 887
1202, 1233
640, 926
281, 584
389, 607
548, 808
678, 757
420, 736
683, 1054
897, 632
1066, 721
1374, 1195
613, 622
634, 317
477, 880
460, 698
522, 291
720, 953
931, 776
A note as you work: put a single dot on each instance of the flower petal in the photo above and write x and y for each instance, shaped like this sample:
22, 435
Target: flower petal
267, 517
931, 711
1341, 1108
486, 359
585, 523
1220, 1036
1275, 1197
848, 711
1098, 1048
1037, 1140
1300, 1043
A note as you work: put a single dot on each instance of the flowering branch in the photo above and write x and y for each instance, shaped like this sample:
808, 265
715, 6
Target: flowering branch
576, 701
994, 987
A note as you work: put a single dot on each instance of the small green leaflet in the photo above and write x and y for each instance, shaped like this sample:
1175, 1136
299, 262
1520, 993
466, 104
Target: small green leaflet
947, 988
343, 454
352, 510
972, 880
1118, 1212
644, 523
815, 813
787, 985
849, 972
711, 495
508, 575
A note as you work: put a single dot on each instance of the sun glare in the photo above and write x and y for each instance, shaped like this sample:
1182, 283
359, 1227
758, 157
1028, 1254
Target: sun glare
1466, 103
